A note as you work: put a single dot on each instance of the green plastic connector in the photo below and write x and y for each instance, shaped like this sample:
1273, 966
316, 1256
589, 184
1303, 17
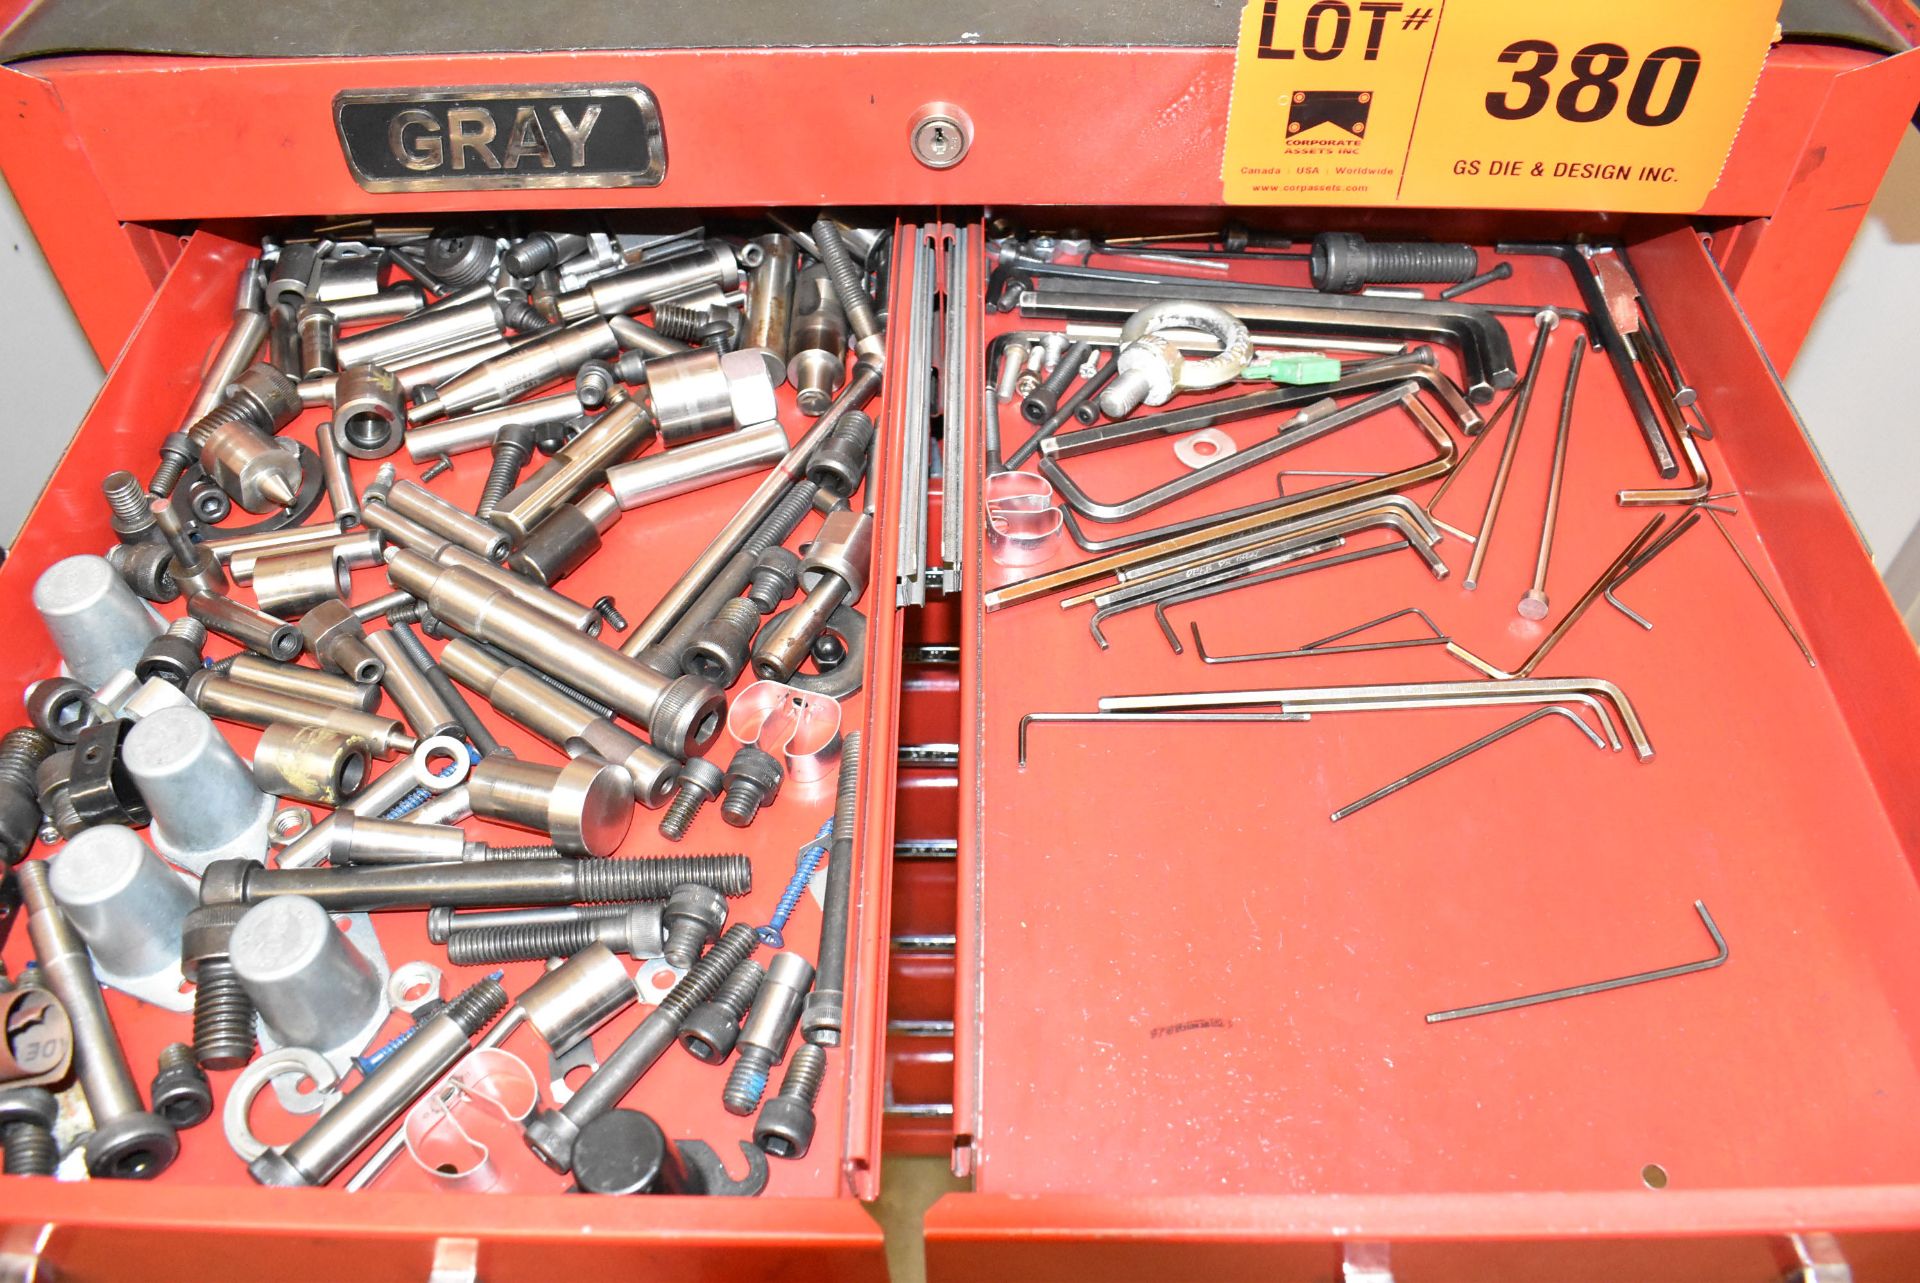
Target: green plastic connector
1303, 367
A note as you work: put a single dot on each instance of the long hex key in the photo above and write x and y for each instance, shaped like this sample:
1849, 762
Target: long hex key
1028, 719
1640, 562
1599, 986
1779, 611
1483, 540
1468, 750
1321, 647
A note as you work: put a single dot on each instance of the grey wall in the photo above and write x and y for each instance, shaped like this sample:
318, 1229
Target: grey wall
48, 376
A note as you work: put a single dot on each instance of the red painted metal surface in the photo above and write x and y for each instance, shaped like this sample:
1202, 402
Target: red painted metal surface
254, 137
1204, 987
205, 1209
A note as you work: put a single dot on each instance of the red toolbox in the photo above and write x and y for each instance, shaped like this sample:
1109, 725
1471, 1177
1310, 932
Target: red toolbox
1182, 1018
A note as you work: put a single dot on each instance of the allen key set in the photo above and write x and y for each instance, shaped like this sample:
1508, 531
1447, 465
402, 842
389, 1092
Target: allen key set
370, 541
1202, 376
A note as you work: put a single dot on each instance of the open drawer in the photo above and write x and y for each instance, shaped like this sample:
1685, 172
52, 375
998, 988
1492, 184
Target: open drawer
204, 1217
1193, 1040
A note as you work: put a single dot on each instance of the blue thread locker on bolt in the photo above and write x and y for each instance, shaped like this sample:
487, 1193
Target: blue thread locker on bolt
804, 865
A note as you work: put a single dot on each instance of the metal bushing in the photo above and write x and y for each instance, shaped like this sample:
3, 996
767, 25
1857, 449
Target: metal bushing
288, 585
312, 985
335, 636
204, 803
586, 806
369, 411
309, 764
99, 627
563, 542
304, 683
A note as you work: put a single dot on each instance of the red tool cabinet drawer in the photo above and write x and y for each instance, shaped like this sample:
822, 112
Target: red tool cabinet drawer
1197, 1045
204, 1217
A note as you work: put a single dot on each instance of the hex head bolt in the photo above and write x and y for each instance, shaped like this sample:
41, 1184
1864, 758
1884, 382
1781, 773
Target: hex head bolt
335, 636
132, 518
635, 931
22, 750
711, 1029
382, 1095
124, 901
511, 450
204, 803
770, 1025
443, 922
825, 1013
623, 1151
177, 454
849, 285
593, 382
785, 1126
311, 985
99, 627
699, 781
176, 654
128, 1142
693, 917
484, 884
27, 1115
841, 462
147, 569
834, 573
586, 805
753, 781
551, 1133
223, 1033
1041, 403
1346, 262
181, 1093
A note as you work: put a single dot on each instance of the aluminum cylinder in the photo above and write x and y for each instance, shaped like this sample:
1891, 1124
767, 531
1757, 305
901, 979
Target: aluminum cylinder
433, 330
309, 764
269, 543
818, 349
687, 468
123, 900
430, 373
477, 431
337, 474
304, 683
527, 366
312, 985
712, 265
586, 805
419, 504
290, 584
258, 631
521, 697
683, 715
235, 701
353, 550
689, 395
574, 615
425, 709
770, 297
369, 411
97, 624
204, 803
776, 1008
563, 542
580, 463
349, 275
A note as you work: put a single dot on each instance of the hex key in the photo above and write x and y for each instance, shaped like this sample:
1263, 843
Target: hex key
1305, 699
1100, 567
1316, 420
1321, 647
1227, 586
1131, 538
1467, 750
1720, 955
1779, 611
1028, 719
1639, 563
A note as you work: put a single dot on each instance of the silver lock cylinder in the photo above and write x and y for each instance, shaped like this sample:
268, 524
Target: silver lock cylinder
654, 477
313, 987
204, 803
130, 909
577, 997
97, 624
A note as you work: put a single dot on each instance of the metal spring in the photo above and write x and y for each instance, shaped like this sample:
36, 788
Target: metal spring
804, 865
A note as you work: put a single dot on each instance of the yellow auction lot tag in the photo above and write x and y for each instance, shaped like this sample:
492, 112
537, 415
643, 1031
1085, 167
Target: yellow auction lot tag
1623, 105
